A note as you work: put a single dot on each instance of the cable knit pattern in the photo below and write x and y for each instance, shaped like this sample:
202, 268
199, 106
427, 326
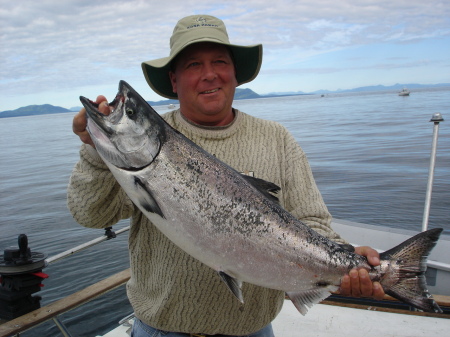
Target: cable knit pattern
169, 289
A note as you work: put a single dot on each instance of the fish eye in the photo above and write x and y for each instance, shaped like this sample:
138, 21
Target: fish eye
129, 112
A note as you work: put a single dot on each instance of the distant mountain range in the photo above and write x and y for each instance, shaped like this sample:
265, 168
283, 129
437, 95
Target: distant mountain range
372, 88
32, 110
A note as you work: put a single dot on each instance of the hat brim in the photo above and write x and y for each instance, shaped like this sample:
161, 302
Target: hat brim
247, 60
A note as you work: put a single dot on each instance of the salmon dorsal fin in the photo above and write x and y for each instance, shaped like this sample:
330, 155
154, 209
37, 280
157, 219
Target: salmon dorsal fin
265, 187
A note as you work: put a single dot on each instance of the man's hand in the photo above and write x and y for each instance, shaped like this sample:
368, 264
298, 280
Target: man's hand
357, 283
79, 123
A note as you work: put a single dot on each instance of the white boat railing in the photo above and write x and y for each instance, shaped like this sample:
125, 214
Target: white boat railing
109, 234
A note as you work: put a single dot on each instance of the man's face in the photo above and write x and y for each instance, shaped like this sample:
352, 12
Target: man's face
204, 78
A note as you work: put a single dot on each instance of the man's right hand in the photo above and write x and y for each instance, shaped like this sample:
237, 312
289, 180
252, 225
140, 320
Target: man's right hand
79, 123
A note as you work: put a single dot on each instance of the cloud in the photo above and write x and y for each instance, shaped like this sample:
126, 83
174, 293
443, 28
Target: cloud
56, 46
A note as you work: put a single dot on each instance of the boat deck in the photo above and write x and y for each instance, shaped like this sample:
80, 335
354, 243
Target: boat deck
324, 320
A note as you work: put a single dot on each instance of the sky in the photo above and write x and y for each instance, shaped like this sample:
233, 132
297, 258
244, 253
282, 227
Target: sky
53, 51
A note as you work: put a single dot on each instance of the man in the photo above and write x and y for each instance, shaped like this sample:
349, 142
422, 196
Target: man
172, 293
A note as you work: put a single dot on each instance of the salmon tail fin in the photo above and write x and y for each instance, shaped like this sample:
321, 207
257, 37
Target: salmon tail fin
405, 278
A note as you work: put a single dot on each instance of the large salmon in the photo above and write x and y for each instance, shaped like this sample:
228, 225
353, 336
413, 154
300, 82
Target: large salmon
231, 222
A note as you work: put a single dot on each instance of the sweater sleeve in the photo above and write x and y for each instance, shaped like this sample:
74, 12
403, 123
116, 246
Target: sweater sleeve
94, 197
302, 197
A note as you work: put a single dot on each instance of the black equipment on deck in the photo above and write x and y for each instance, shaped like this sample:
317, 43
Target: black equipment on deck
20, 276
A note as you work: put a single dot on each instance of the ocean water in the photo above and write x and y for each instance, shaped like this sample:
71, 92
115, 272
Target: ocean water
370, 155
370, 152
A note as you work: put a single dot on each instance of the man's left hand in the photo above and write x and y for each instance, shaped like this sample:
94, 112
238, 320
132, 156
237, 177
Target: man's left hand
358, 283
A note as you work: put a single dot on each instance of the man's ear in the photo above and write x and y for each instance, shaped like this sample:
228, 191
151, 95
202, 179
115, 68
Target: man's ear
173, 80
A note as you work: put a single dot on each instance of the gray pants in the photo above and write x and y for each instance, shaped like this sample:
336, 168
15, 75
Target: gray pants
141, 329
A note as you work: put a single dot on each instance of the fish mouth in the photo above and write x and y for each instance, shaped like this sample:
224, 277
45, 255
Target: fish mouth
100, 119
123, 134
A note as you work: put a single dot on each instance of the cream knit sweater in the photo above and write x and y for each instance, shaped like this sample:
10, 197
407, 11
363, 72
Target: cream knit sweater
169, 289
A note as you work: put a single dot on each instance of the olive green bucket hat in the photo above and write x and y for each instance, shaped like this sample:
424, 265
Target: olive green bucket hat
194, 29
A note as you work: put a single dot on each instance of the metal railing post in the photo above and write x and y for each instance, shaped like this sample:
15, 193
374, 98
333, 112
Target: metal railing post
61, 327
436, 119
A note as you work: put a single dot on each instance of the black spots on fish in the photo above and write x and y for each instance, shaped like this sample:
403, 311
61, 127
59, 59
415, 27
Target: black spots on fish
285, 240
179, 194
334, 254
249, 224
222, 222
195, 166
146, 200
235, 218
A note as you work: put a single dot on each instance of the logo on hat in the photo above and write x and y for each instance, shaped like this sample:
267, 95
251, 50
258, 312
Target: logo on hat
201, 20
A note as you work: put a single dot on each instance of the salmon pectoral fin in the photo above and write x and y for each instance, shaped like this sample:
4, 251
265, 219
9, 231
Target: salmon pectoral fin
146, 198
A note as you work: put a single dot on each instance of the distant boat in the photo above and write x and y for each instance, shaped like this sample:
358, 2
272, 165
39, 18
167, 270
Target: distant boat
404, 92
171, 106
